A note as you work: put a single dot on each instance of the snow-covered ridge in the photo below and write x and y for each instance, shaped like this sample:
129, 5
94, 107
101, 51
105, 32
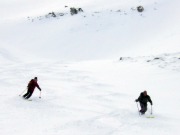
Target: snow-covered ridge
167, 61
84, 13
105, 30
19, 8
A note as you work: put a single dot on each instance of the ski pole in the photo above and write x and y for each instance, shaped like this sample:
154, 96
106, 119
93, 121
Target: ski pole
138, 108
151, 110
40, 95
22, 92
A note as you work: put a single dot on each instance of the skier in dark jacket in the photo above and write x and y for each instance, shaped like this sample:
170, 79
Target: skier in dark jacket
31, 86
143, 99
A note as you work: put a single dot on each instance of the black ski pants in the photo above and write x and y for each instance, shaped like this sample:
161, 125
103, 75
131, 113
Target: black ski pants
28, 94
143, 108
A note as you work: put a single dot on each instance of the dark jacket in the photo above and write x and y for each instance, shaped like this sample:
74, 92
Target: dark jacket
32, 84
144, 99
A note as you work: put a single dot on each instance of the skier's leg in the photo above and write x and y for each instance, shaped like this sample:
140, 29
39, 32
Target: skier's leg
29, 95
143, 108
26, 94
141, 105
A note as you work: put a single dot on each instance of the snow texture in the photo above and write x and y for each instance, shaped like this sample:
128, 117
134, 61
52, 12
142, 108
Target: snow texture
91, 67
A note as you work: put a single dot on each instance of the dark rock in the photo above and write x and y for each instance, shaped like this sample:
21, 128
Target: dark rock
156, 58
80, 10
52, 14
140, 9
75, 11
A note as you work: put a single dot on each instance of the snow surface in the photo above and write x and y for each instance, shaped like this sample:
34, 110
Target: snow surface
91, 67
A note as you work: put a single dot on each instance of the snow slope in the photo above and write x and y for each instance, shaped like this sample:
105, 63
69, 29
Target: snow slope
91, 67
90, 98
100, 32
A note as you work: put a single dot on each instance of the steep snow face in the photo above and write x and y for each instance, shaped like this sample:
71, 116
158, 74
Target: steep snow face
106, 29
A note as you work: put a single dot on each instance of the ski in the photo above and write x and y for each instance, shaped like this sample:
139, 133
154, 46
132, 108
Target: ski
150, 117
27, 99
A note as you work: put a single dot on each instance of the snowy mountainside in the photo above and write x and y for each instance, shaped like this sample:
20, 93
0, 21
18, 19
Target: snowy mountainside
103, 34
91, 67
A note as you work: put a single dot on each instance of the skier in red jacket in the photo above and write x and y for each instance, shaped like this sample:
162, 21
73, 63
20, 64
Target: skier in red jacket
31, 86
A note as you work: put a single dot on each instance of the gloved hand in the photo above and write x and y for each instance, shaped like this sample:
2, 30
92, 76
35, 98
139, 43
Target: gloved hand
40, 89
136, 100
151, 103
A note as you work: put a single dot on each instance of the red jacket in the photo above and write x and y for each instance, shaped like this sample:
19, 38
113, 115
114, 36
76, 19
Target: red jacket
32, 85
